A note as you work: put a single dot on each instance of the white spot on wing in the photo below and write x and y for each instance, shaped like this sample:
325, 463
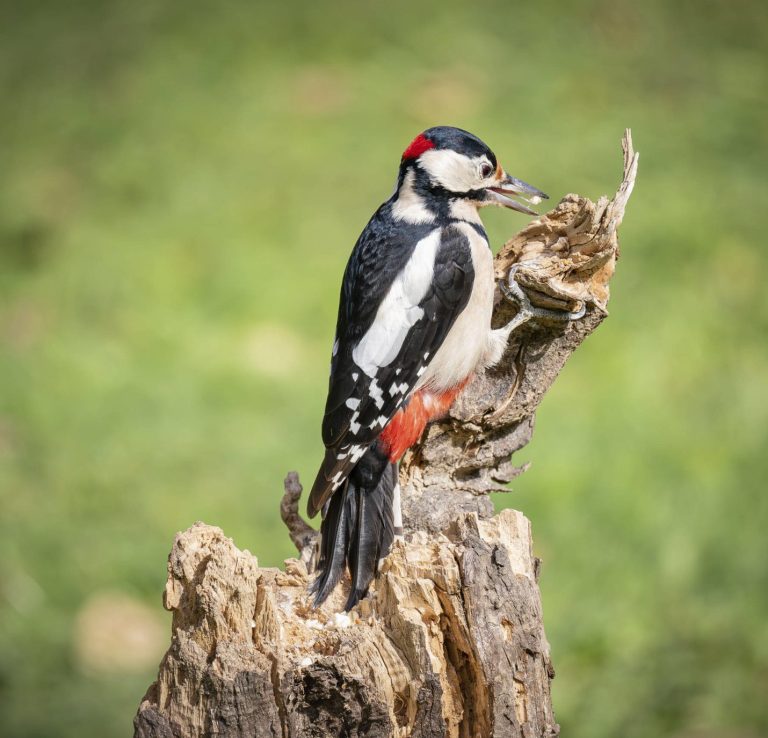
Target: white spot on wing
352, 403
398, 389
356, 453
380, 421
376, 394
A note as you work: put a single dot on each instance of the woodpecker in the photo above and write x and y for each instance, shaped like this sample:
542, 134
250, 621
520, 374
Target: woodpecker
414, 325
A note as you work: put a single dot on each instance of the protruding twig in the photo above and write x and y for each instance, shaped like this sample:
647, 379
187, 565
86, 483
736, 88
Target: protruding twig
301, 533
619, 203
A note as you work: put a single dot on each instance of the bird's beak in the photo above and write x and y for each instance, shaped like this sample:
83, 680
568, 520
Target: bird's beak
508, 187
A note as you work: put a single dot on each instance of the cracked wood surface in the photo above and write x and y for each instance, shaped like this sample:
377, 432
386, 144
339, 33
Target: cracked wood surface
451, 640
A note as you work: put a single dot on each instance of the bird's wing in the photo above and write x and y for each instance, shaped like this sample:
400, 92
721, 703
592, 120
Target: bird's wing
384, 344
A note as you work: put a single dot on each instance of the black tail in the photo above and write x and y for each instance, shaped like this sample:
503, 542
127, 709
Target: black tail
357, 528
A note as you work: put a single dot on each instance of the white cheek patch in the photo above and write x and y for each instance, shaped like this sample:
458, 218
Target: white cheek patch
450, 169
399, 310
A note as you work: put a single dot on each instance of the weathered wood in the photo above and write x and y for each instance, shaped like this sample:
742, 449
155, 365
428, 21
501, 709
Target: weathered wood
450, 641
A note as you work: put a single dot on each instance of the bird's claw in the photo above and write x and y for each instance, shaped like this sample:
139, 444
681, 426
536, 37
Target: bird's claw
513, 292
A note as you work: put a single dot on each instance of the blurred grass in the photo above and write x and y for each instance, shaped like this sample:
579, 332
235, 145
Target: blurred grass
180, 187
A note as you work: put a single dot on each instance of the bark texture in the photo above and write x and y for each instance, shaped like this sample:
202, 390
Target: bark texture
450, 641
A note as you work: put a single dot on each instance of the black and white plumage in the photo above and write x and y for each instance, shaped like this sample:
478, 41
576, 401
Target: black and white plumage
413, 325
395, 314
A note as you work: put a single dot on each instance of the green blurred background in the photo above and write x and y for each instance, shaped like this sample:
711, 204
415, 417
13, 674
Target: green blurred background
180, 186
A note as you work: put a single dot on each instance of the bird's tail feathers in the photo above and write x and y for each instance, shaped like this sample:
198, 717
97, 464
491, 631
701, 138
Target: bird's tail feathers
358, 527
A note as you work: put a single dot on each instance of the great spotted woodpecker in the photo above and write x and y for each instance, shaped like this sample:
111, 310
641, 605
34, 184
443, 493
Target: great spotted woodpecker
414, 324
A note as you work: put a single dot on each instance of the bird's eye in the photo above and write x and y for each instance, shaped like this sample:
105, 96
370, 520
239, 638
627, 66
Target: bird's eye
486, 170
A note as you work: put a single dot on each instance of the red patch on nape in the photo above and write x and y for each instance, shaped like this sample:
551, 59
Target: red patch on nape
417, 147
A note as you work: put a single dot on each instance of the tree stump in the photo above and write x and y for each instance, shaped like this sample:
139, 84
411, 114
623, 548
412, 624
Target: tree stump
450, 641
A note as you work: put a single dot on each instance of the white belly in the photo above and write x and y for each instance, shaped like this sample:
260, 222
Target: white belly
466, 347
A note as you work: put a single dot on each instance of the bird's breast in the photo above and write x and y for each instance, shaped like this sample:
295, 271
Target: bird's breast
464, 348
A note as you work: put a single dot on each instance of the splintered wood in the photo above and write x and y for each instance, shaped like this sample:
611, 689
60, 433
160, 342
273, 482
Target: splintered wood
450, 641
426, 655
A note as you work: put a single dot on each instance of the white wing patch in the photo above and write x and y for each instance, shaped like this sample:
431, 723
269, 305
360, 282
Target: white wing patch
399, 310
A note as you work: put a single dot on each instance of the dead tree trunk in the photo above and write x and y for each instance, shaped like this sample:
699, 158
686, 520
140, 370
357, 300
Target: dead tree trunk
451, 640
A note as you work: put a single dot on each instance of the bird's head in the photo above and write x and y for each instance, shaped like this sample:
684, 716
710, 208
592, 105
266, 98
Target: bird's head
451, 164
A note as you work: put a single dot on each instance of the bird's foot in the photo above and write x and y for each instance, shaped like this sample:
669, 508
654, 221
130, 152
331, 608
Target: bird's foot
526, 311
